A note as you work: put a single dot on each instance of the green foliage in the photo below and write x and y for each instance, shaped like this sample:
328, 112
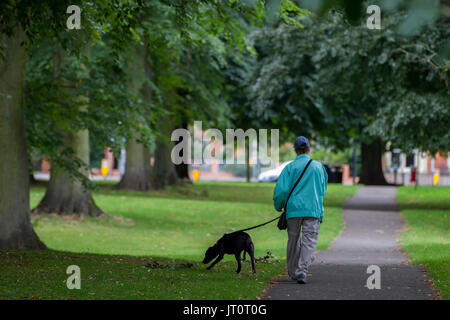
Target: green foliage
415, 121
347, 83
419, 113
68, 93
97, 153
47, 19
131, 63
419, 13
334, 159
286, 152
215, 57
81, 79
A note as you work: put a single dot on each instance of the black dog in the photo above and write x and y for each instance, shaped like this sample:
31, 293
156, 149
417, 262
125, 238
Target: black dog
231, 243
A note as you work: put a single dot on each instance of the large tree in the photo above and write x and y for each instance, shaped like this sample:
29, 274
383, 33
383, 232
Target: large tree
24, 23
137, 174
187, 49
20, 22
333, 80
67, 97
16, 230
65, 193
27, 22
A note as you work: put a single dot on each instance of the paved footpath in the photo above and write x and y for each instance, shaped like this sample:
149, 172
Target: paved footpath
372, 225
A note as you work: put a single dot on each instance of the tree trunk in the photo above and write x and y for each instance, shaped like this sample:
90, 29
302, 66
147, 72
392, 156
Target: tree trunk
65, 195
164, 173
16, 230
137, 168
182, 169
247, 161
33, 180
372, 172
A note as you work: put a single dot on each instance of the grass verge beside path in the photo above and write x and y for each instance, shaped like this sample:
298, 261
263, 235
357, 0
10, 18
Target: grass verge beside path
427, 240
151, 244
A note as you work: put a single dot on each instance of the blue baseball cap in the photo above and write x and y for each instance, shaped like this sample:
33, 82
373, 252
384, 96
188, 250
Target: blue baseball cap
301, 142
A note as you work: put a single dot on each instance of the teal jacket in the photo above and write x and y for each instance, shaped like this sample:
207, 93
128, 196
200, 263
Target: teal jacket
307, 198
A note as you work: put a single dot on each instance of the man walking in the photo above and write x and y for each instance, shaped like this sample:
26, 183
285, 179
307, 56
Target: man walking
304, 209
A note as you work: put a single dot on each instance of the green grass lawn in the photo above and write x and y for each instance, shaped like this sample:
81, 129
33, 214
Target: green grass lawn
427, 240
171, 227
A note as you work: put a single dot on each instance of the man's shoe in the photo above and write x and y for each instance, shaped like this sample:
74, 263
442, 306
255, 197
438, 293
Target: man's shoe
301, 278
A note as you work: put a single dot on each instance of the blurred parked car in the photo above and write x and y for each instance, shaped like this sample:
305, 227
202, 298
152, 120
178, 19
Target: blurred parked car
334, 173
272, 174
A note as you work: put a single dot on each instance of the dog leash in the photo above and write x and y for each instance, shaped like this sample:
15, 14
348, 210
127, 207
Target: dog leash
263, 224
254, 227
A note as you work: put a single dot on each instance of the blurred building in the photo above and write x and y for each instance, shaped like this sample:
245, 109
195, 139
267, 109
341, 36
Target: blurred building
397, 167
